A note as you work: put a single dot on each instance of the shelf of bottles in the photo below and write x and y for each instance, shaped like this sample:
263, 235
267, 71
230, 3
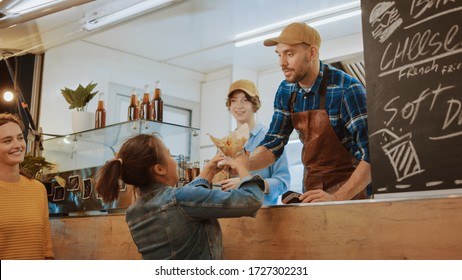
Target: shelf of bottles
94, 147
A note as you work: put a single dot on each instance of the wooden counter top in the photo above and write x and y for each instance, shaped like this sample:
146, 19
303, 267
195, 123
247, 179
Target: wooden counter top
429, 228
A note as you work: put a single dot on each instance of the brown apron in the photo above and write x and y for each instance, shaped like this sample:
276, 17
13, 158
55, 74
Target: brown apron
328, 165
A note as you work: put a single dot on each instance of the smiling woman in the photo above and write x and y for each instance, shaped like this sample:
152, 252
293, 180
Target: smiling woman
24, 226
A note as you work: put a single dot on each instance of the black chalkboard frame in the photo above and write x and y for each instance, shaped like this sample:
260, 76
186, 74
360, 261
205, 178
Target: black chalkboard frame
413, 61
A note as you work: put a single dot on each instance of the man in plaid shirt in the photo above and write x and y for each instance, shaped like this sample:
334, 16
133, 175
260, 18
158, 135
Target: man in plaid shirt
327, 107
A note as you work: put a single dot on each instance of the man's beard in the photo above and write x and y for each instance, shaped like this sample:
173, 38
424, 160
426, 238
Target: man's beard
296, 77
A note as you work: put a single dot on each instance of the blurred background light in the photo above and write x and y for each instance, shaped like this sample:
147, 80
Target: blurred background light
8, 96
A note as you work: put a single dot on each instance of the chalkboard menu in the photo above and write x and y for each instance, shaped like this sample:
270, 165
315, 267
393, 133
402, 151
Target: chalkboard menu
413, 60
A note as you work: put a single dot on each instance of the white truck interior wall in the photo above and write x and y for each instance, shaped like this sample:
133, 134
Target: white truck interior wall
80, 62
215, 118
268, 83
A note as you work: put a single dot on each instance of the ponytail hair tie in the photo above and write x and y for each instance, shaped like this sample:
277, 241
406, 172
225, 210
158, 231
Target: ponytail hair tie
119, 160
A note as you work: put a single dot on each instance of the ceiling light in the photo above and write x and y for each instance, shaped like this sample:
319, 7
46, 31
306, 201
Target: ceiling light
321, 17
8, 96
18, 12
23, 7
125, 14
256, 39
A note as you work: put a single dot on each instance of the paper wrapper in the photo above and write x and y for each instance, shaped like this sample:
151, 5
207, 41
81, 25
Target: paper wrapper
220, 176
233, 144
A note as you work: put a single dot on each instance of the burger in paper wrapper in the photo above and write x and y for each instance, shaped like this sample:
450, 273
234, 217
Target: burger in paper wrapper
220, 176
233, 144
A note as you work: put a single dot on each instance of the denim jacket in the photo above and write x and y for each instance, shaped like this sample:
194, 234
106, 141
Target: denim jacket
181, 223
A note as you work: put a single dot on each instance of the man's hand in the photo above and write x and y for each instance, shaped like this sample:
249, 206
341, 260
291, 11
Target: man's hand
316, 196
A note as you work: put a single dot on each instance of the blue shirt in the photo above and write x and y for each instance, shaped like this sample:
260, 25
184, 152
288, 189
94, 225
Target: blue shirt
181, 223
345, 105
277, 174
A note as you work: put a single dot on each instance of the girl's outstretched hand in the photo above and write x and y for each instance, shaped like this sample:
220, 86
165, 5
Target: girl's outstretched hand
238, 165
212, 167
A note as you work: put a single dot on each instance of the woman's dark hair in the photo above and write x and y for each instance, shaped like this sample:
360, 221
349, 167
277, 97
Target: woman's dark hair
133, 165
10, 118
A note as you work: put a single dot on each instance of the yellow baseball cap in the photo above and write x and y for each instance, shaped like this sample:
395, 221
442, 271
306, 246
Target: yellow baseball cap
246, 86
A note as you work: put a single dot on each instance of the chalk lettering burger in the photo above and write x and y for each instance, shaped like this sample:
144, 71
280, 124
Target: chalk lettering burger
384, 19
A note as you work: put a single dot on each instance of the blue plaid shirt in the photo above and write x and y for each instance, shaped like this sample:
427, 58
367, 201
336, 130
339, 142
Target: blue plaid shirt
345, 105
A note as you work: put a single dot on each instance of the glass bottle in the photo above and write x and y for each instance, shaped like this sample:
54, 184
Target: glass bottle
181, 168
189, 172
138, 108
100, 114
133, 113
148, 115
206, 161
145, 107
153, 115
196, 168
158, 103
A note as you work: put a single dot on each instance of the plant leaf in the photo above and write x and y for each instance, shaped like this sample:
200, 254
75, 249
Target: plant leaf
31, 165
80, 96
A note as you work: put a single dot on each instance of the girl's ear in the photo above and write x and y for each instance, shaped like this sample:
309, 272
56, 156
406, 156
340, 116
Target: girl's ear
159, 170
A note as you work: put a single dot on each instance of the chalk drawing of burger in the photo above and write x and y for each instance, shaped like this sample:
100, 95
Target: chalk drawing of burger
384, 20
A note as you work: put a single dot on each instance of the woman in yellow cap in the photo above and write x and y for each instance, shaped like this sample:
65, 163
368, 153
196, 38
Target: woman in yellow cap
243, 102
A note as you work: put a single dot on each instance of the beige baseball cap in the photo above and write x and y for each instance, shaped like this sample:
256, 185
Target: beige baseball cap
246, 86
296, 33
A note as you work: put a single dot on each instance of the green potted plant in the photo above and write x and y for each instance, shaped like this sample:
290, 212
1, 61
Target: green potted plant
78, 99
34, 165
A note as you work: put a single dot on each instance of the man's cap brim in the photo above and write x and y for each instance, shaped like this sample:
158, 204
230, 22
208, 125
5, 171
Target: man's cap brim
277, 40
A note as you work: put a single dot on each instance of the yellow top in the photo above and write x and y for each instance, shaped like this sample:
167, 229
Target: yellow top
24, 225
